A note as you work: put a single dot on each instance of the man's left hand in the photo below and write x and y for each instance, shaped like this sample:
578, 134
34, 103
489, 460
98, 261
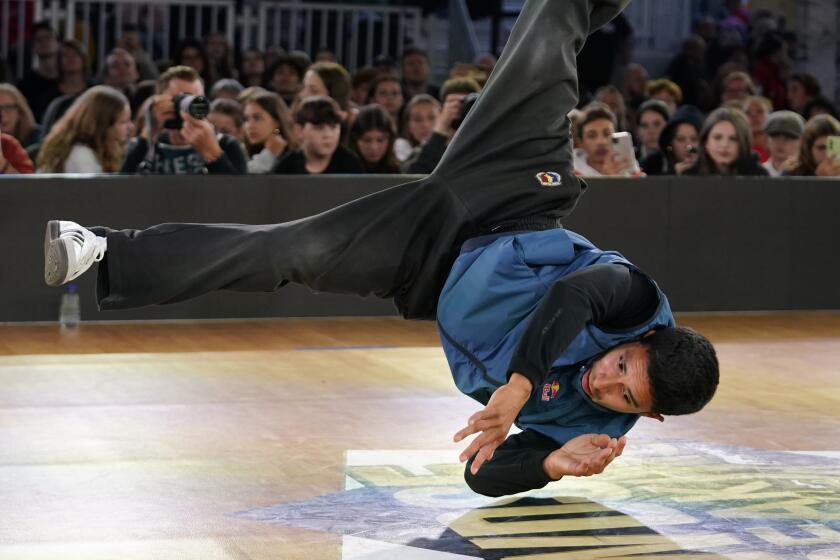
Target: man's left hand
202, 136
495, 420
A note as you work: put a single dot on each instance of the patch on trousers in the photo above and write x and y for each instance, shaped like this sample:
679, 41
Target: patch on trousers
549, 179
550, 390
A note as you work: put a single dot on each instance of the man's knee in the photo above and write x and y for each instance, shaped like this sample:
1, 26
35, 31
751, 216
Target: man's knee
479, 483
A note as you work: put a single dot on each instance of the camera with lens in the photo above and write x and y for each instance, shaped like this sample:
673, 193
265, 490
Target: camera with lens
466, 104
197, 106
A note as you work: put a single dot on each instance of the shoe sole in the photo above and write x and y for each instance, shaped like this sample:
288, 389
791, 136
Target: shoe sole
55, 255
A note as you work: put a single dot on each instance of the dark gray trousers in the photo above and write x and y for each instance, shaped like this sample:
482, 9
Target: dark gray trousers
400, 242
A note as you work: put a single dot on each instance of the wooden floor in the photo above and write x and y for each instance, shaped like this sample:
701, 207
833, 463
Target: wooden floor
310, 439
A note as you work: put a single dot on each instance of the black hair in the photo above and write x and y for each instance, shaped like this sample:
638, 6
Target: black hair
318, 109
682, 368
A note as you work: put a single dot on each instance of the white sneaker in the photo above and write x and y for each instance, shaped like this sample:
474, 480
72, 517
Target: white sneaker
69, 250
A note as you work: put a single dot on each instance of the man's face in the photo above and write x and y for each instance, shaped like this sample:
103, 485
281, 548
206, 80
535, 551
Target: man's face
735, 89
320, 140
619, 381
121, 70
415, 68
44, 43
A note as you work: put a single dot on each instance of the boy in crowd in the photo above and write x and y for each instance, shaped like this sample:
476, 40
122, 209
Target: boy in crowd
184, 146
318, 126
784, 131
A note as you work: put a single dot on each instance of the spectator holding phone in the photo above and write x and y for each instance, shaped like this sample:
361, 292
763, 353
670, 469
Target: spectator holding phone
595, 156
784, 132
173, 141
814, 159
726, 146
268, 131
678, 143
458, 95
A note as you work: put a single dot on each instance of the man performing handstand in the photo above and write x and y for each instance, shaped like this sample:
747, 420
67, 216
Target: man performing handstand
571, 342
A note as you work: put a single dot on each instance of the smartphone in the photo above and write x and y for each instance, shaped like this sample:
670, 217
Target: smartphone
832, 147
622, 144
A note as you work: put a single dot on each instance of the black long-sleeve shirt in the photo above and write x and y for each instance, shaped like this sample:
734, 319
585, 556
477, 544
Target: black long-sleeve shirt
608, 295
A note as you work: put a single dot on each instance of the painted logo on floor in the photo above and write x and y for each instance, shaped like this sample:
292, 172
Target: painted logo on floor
662, 500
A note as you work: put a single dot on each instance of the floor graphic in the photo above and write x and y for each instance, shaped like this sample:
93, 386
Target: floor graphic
662, 500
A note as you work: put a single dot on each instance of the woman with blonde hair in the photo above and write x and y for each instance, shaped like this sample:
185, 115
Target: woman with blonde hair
92, 135
419, 119
16, 117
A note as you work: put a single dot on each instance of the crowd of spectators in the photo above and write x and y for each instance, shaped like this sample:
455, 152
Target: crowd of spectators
728, 104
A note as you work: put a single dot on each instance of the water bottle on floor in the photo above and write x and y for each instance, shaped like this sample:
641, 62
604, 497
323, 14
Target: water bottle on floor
69, 312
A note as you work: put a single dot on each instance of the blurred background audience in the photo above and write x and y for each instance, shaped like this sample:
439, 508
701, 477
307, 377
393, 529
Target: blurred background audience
727, 101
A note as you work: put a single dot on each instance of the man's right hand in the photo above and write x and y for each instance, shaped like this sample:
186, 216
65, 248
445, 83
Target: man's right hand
583, 456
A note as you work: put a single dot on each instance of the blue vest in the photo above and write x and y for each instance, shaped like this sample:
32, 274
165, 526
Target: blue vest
492, 291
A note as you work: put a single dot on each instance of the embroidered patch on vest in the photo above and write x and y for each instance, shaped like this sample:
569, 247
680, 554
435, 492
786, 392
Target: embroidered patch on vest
550, 390
549, 179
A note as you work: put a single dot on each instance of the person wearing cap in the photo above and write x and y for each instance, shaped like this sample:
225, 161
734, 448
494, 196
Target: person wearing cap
784, 132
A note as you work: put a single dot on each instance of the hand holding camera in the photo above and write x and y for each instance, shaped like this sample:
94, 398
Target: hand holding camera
165, 111
451, 112
201, 135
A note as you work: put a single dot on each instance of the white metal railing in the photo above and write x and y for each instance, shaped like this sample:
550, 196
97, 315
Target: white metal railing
658, 25
355, 33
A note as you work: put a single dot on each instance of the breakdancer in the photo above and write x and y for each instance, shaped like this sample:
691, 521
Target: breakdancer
571, 343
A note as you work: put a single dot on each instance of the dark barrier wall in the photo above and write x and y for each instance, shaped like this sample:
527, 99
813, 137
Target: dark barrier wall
712, 244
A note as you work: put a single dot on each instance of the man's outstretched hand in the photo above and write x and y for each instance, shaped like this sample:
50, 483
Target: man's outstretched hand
583, 456
495, 420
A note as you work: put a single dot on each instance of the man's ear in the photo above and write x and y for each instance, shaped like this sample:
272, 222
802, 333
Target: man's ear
650, 332
654, 415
